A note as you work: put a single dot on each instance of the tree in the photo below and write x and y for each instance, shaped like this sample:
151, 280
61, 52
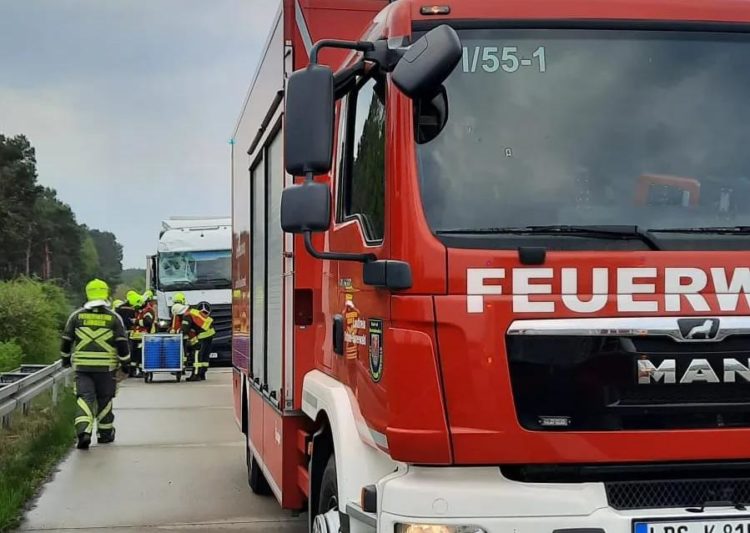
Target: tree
57, 241
90, 266
39, 234
110, 256
18, 192
132, 279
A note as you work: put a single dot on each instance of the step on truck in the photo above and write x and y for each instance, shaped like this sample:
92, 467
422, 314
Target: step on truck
511, 291
194, 257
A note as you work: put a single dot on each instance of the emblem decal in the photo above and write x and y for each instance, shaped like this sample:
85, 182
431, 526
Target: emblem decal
376, 349
354, 326
698, 328
204, 307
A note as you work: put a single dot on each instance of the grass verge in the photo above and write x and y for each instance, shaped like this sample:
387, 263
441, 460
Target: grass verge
29, 450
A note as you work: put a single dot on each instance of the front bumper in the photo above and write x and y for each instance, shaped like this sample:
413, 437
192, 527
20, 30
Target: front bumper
223, 350
481, 496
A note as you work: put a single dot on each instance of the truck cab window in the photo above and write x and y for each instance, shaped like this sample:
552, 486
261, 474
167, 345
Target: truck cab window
364, 177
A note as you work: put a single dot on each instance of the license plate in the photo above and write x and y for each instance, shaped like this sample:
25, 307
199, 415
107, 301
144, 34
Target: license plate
721, 525
214, 355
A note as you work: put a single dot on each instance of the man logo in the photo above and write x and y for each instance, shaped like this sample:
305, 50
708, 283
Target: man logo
695, 329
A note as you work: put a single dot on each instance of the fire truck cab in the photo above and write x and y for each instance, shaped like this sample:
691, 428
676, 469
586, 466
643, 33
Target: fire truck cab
477, 318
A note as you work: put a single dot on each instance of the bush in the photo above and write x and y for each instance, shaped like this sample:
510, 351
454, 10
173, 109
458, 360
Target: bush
10, 356
32, 315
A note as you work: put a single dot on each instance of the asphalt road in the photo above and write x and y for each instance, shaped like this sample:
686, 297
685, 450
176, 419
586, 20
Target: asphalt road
178, 465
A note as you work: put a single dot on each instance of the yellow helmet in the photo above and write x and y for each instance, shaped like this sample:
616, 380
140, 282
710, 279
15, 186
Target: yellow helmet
117, 303
148, 295
180, 298
97, 289
132, 298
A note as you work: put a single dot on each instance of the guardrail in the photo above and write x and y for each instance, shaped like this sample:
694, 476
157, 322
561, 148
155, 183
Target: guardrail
19, 387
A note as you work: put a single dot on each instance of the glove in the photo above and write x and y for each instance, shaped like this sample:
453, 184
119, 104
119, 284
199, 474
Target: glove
66, 363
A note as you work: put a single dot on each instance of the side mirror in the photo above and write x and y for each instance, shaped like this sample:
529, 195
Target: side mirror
306, 207
431, 115
428, 62
308, 137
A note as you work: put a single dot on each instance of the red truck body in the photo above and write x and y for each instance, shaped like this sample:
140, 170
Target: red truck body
428, 373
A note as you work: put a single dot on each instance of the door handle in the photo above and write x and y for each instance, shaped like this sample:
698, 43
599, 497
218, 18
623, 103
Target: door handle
338, 334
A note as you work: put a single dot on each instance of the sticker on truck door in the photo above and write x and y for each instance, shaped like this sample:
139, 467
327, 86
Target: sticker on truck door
376, 349
353, 328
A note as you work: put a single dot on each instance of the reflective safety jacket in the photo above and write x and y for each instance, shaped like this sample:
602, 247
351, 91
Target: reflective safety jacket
194, 325
144, 321
96, 339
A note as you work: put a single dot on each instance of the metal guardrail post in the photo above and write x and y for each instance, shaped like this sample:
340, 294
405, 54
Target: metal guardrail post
55, 393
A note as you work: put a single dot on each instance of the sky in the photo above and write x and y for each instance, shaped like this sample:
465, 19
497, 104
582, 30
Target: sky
131, 104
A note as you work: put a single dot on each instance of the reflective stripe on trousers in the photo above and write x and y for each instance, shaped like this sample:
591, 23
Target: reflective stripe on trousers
95, 391
84, 421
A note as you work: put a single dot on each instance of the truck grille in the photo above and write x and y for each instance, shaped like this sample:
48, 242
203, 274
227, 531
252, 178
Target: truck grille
625, 495
222, 315
590, 383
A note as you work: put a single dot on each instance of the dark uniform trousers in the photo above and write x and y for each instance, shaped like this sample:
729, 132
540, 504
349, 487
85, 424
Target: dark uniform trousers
95, 391
136, 355
201, 356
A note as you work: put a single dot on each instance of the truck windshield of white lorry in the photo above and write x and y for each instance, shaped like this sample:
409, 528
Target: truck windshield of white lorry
195, 270
550, 127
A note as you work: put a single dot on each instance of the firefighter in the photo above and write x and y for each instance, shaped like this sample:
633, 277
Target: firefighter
198, 332
149, 309
149, 300
95, 344
179, 298
133, 302
125, 310
144, 322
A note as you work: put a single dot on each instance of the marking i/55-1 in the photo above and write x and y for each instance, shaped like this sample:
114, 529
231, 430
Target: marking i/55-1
494, 58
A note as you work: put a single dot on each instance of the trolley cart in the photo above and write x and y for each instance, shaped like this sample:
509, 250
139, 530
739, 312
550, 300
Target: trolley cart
162, 353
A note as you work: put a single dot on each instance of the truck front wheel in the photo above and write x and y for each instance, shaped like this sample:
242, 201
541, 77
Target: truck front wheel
327, 519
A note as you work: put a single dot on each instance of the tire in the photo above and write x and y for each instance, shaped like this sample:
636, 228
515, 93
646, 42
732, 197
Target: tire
328, 495
255, 477
327, 518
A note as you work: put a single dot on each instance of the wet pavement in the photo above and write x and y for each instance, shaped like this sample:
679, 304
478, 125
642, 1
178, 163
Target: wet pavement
178, 465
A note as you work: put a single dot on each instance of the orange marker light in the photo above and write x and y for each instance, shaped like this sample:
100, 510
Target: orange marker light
435, 10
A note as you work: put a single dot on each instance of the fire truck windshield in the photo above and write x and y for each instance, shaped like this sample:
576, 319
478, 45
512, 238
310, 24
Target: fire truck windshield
587, 127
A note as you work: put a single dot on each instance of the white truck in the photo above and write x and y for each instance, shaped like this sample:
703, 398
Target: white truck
194, 257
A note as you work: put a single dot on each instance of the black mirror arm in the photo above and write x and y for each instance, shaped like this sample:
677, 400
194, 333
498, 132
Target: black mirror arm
362, 46
334, 256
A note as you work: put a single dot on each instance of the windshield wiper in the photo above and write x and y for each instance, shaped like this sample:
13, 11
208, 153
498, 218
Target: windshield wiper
729, 230
596, 231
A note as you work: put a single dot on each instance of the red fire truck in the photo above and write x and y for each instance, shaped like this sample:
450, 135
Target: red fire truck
475, 319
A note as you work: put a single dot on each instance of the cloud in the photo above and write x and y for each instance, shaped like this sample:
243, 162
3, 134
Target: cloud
129, 104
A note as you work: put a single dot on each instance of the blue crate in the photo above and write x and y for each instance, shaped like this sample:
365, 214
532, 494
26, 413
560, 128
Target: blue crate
162, 353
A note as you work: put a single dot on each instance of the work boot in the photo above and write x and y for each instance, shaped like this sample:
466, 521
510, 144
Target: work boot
106, 438
194, 377
84, 441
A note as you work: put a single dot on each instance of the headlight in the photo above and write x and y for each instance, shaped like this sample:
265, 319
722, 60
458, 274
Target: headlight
434, 528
